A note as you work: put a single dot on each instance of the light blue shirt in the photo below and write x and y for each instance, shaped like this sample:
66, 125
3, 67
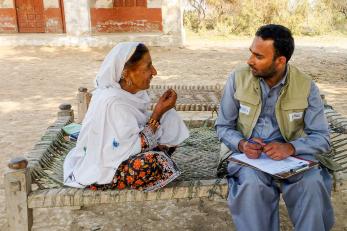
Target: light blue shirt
316, 126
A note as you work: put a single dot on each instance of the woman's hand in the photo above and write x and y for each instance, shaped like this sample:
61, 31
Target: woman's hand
165, 103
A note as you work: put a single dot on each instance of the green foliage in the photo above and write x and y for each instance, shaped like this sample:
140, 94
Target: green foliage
192, 21
243, 17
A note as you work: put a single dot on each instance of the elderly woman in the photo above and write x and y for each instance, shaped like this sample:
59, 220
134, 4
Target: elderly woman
121, 145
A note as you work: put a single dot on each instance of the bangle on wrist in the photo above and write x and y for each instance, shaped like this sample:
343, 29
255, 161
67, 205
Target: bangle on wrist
153, 123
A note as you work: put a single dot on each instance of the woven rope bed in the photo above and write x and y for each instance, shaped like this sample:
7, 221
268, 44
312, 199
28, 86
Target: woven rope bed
197, 159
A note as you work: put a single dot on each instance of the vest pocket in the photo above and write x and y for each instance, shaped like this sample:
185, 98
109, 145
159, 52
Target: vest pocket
293, 117
247, 111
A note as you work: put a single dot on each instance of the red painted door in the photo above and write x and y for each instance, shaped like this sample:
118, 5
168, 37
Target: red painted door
30, 16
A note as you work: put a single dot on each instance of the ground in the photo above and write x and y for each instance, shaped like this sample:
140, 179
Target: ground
35, 80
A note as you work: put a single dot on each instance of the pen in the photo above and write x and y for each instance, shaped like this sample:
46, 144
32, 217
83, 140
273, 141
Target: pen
299, 169
254, 142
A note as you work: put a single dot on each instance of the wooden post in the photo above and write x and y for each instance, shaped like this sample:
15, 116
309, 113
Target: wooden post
17, 183
65, 110
83, 99
325, 102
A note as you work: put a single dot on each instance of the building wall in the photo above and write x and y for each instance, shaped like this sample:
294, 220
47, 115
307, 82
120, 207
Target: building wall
126, 16
53, 16
8, 20
101, 3
83, 17
53, 19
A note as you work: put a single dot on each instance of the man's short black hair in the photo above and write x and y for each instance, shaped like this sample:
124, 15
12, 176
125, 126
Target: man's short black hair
282, 37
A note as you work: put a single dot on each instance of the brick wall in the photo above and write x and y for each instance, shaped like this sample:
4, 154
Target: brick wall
105, 15
8, 20
53, 20
125, 16
136, 19
52, 16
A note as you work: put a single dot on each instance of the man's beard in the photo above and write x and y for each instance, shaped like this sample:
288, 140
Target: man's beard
270, 72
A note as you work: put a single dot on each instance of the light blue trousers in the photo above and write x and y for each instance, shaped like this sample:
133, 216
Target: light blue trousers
254, 196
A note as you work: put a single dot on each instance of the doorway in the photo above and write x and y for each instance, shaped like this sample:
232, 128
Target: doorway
30, 16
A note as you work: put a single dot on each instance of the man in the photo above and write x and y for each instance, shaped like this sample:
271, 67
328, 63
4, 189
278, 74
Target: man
270, 106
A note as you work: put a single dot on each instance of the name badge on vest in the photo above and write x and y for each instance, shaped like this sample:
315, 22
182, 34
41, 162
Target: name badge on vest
295, 116
244, 109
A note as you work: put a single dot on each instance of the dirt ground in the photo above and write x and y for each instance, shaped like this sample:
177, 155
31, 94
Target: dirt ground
35, 80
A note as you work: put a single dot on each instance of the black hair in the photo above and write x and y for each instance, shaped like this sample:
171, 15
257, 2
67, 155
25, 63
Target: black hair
139, 52
282, 37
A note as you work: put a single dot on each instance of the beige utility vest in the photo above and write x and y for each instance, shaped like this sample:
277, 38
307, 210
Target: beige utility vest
290, 106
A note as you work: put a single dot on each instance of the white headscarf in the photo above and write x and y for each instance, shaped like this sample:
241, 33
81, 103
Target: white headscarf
111, 127
111, 69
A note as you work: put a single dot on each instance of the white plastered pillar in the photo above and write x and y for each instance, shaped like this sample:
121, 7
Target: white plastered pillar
77, 17
172, 13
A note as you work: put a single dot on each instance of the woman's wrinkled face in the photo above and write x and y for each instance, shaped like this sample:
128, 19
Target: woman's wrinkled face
142, 73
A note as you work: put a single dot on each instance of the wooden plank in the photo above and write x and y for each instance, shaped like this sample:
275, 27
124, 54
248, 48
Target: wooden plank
85, 197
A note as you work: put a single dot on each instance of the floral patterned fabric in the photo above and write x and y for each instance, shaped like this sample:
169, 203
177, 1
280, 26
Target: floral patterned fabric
148, 140
146, 171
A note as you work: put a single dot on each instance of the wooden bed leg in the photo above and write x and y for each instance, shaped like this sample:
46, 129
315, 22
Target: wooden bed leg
17, 183
83, 99
322, 96
65, 110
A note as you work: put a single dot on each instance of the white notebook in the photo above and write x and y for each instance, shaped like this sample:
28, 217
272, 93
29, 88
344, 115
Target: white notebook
268, 165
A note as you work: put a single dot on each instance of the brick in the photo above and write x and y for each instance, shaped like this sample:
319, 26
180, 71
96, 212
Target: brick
126, 19
142, 3
118, 3
129, 3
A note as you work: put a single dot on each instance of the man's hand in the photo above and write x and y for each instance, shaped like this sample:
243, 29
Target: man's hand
252, 148
279, 151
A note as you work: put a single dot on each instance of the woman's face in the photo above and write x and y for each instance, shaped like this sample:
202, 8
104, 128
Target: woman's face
142, 74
